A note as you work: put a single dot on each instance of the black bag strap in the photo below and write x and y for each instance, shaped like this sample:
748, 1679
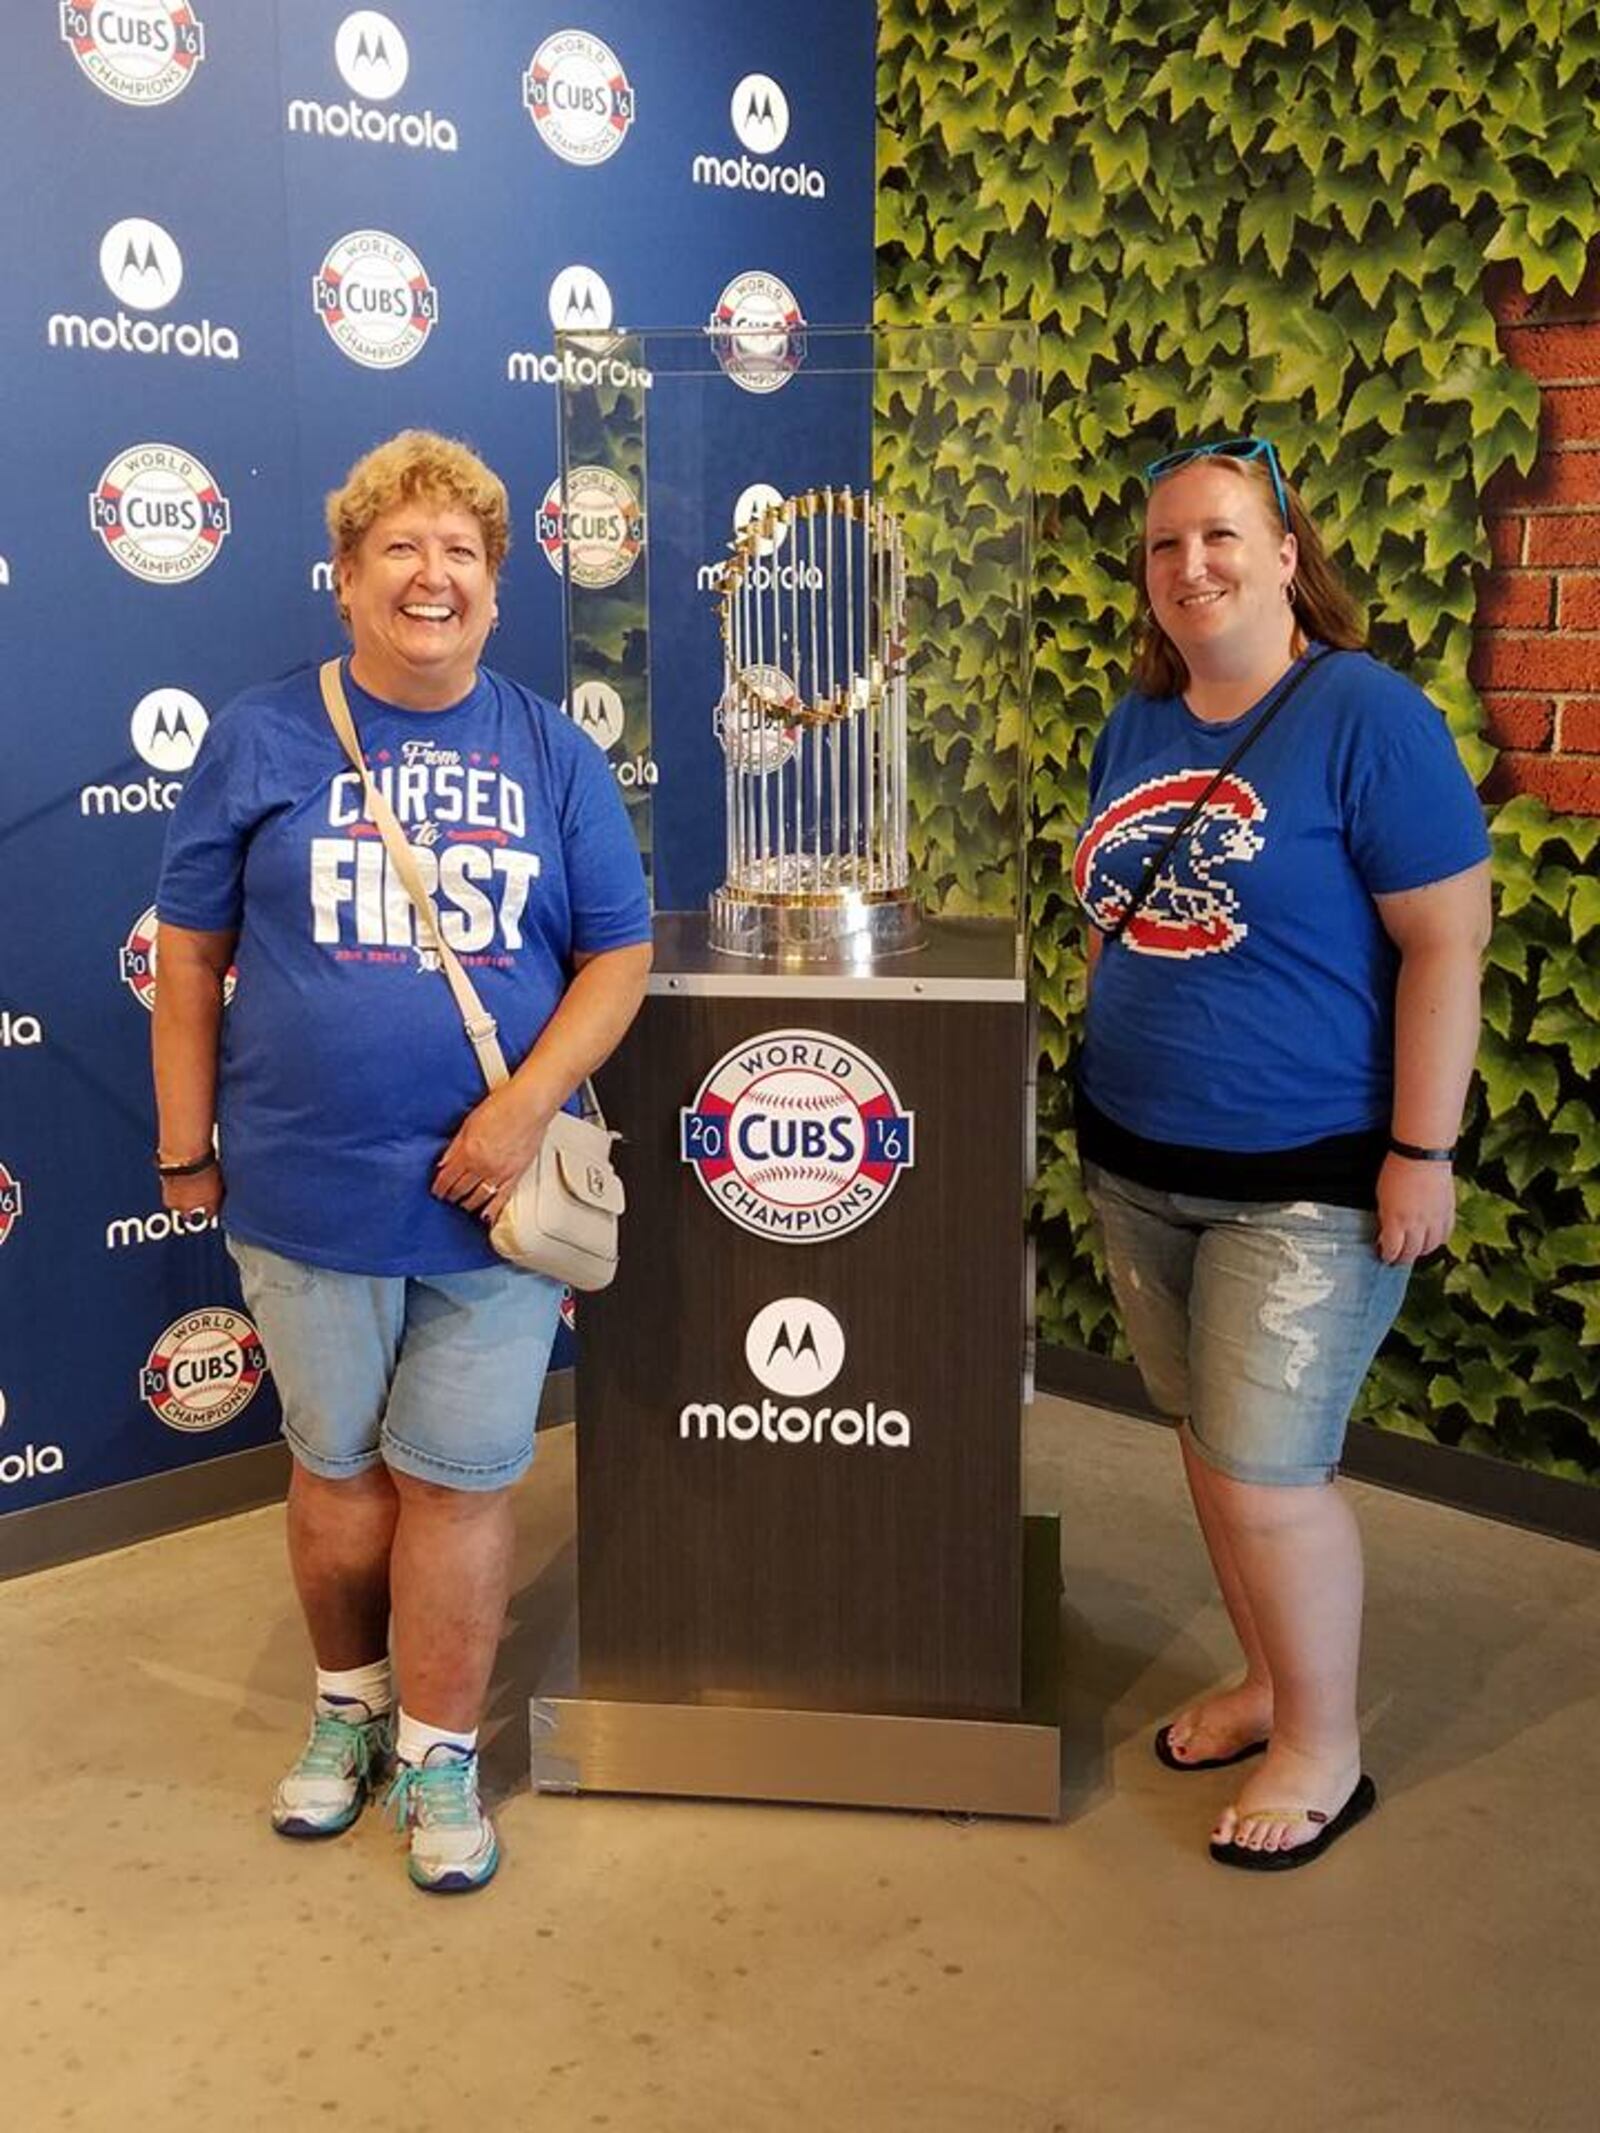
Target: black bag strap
1153, 865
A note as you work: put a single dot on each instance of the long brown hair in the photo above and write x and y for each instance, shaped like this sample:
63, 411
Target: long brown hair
1323, 605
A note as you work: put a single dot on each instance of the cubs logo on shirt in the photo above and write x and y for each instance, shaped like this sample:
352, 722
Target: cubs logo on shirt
1193, 909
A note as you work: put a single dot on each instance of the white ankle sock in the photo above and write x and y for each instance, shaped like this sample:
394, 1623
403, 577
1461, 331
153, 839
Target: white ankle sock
413, 1739
371, 1686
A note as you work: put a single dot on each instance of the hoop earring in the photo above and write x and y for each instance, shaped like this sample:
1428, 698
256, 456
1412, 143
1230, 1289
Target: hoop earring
1291, 592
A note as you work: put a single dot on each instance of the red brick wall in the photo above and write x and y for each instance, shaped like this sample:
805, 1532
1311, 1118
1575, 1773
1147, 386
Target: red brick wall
1536, 654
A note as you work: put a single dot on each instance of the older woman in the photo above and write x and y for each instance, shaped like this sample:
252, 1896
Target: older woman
1281, 1027
337, 1118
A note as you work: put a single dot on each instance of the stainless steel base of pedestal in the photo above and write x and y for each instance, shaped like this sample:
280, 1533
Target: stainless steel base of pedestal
842, 931
987, 1766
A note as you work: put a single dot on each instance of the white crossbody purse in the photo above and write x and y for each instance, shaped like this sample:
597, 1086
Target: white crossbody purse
563, 1214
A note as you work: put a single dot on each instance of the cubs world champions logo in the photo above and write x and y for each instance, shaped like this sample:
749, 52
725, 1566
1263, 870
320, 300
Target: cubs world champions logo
1193, 909
757, 332
160, 513
136, 962
374, 296
10, 1202
797, 1136
578, 97
203, 1370
593, 521
138, 51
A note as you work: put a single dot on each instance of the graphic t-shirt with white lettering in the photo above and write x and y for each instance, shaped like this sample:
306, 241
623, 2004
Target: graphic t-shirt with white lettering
345, 1069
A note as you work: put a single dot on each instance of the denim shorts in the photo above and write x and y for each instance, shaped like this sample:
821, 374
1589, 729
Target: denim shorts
437, 1375
1257, 1323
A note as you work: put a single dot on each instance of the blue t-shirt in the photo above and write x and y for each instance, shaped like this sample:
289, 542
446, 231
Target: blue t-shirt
1250, 1003
345, 1069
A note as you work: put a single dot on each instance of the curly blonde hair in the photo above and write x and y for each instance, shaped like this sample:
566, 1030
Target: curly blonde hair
418, 463
1323, 606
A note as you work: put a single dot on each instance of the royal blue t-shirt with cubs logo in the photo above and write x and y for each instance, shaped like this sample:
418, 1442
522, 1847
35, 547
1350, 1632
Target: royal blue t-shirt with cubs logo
1249, 1004
345, 1069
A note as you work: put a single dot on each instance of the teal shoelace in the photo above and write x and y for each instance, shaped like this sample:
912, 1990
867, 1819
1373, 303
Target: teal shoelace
337, 1748
438, 1795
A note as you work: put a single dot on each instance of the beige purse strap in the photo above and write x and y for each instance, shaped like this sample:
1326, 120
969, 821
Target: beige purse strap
480, 1025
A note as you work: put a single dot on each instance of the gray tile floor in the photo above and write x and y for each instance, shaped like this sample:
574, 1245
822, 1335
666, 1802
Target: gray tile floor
166, 1963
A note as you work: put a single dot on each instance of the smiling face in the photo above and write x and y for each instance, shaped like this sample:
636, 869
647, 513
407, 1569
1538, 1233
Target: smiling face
420, 600
1217, 565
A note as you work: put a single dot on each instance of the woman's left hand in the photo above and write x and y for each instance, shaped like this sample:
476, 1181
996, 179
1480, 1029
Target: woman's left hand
1416, 1208
495, 1143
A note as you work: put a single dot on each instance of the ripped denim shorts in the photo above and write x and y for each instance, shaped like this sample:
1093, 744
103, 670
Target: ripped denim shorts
1256, 1322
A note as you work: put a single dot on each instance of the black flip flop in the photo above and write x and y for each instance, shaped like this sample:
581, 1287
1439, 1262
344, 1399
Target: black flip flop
1165, 1755
1356, 1809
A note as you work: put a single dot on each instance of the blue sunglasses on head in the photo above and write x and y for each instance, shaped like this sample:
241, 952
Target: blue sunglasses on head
1227, 448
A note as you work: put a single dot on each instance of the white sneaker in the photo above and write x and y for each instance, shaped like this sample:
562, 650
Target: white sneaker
341, 1763
453, 1847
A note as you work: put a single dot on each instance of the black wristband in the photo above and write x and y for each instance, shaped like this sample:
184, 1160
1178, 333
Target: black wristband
201, 1163
1422, 1155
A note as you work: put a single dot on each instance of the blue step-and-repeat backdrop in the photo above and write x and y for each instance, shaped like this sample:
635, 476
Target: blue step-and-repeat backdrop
243, 241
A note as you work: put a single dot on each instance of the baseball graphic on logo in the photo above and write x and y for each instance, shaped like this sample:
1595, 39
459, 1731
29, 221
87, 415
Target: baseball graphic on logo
578, 97
140, 51
373, 295
136, 962
159, 513
591, 526
758, 332
203, 1370
754, 723
795, 1347
797, 1136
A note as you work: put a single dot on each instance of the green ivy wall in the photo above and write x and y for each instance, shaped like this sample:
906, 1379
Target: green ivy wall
1246, 215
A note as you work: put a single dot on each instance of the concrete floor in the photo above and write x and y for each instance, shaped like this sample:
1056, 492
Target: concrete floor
165, 1962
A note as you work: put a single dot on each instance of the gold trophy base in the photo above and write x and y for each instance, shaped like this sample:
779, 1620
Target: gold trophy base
849, 926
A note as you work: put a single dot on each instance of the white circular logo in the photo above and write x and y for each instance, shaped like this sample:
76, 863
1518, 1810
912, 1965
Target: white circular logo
373, 295
167, 728
578, 97
203, 1370
140, 264
795, 1347
594, 523
760, 496
797, 1136
753, 722
136, 962
579, 301
760, 113
371, 54
160, 513
758, 332
140, 51
597, 710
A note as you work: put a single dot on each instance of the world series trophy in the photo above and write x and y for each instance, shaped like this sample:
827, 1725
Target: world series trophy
812, 721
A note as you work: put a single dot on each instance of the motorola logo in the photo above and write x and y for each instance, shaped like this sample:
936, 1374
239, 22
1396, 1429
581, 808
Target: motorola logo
167, 728
795, 1346
370, 52
760, 496
140, 264
579, 301
760, 113
597, 710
